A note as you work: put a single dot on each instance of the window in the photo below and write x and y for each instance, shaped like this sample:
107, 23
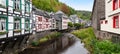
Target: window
101, 22
27, 25
115, 4
2, 3
17, 24
2, 24
53, 25
39, 18
53, 20
17, 4
106, 21
46, 20
116, 22
40, 26
27, 7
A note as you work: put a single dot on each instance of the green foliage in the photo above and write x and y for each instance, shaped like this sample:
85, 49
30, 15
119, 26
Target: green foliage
77, 25
84, 33
85, 15
3, 32
96, 46
42, 40
70, 24
106, 47
35, 43
53, 5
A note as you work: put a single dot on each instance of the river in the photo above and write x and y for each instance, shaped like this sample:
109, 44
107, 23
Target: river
76, 48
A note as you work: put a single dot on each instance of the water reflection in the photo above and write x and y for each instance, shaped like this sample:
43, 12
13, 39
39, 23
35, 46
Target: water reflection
76, 48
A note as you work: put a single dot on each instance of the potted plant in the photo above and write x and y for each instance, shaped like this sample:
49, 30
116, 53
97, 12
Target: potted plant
18, 10
3, 33
17, 31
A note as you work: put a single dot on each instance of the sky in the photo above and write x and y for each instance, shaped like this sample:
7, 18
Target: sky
79, 4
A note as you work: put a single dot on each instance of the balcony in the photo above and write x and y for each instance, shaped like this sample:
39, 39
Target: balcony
3, 34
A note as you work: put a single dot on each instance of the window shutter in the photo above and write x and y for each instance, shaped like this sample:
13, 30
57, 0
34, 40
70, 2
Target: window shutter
114, 22
113, 4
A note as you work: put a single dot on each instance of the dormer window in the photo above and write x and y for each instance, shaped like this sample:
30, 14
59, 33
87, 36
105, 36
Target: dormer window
115, 4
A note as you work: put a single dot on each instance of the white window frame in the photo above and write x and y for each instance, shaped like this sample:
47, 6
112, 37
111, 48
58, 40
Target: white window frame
3, 2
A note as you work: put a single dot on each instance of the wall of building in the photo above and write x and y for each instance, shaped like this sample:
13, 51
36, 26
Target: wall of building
109, 18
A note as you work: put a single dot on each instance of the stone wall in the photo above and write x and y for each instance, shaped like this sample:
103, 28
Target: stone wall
52, 48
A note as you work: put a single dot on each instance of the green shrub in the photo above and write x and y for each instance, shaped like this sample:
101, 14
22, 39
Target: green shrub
35, 43
77, 25
96, 46
106, 47
70, 24
42, 40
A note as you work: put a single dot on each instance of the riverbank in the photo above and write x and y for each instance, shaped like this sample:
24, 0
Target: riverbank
51, 46
96, 45
76, 48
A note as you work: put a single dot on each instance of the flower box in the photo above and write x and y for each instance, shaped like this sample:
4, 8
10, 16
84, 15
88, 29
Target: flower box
3, 34
17, 31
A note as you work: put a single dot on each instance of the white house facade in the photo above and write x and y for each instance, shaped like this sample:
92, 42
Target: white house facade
15, 21
112, 13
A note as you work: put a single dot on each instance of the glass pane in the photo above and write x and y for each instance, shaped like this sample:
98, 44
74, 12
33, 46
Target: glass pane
3, 3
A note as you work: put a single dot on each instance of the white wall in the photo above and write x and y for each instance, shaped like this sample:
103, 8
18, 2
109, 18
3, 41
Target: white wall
109, 17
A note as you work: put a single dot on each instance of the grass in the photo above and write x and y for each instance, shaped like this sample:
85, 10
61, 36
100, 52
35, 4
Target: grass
96, 46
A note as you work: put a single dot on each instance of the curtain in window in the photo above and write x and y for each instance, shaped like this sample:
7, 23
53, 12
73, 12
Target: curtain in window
3, 25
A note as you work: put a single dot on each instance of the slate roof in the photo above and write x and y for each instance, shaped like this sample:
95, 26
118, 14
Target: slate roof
40, 12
